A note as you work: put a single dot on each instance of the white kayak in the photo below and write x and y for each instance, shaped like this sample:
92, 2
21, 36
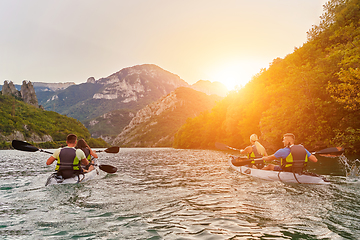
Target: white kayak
53, 179
287, 177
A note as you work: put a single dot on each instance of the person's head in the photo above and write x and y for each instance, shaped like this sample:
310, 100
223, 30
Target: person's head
81, 144
288, 139
254, 138
71, 139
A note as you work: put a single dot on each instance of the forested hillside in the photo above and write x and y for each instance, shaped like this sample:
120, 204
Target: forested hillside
312, 92
22, 121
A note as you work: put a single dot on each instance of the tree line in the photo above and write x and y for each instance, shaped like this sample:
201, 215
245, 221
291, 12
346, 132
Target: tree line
312, 92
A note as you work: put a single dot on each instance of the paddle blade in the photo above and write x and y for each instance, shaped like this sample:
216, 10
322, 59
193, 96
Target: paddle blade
108, 168
112, 150
23, 146
331, 151
240, 161
221, 146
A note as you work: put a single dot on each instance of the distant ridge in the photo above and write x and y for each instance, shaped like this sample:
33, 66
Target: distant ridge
156, 124
209, 88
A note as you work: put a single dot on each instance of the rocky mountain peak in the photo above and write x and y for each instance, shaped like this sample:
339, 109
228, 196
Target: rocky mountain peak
10, 89
91, 80
27, 92
135, 82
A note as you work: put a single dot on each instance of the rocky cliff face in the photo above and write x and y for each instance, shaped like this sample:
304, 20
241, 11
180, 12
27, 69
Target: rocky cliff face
156, 124
9, 89
27, 92
133, 83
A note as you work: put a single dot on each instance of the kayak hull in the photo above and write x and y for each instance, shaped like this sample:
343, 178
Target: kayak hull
287, 177
54, 180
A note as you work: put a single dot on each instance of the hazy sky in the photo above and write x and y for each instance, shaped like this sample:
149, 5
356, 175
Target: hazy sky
216, 40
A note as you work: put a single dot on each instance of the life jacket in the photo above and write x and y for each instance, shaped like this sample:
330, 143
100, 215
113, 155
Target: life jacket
68, 163
296, 161
87, 153
254, 154
88, 157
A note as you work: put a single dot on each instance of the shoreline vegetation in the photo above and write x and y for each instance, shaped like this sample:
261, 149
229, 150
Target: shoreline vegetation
312, 92
43, 129
93, 143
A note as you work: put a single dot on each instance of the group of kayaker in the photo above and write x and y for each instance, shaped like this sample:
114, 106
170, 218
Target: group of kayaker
74, 159
293, 158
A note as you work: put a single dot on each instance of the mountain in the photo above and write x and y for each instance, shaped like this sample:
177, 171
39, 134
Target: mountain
130, 88
156, 124
105, 106
210, 87
41, 86
108, 125
124, 92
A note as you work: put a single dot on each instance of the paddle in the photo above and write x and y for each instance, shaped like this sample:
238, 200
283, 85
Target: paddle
246, 161
27, 147
110, 150
332, 151
222, 146
329, 152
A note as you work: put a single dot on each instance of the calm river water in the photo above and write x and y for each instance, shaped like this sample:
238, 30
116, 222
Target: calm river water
168, 193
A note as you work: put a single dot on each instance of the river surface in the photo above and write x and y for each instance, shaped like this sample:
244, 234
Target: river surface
167, 193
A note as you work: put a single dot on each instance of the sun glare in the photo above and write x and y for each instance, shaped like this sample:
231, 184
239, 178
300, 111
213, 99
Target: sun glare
235, 75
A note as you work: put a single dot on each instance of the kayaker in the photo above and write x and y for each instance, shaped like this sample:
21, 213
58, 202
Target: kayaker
68, 158
255, 150
81, 144
294, 158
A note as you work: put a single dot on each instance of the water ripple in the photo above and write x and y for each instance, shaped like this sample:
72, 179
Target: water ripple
171, 194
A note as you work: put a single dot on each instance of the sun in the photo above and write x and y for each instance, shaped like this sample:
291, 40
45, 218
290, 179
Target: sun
235, 74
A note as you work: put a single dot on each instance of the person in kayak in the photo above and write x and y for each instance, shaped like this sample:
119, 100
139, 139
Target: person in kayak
81, 144
68, 159
294, 158
255, 150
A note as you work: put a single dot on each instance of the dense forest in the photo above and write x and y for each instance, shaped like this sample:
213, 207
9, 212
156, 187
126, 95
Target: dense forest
15, 115
312, 92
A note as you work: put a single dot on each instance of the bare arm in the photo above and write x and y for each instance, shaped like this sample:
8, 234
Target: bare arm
84, 162
93, 153
269, 158
50, 160
248, 149
313, 158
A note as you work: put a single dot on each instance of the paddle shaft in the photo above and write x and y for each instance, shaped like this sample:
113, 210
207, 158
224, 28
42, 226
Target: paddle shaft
326, 151
27, 147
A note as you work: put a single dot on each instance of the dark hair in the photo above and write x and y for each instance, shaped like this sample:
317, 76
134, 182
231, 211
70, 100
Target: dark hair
81, 144
71, 138
290, 135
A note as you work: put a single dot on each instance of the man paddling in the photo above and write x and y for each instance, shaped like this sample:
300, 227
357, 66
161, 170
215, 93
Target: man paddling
294, 158
68, 158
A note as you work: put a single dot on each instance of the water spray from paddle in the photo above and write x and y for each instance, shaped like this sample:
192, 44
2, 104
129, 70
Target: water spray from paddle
352, 168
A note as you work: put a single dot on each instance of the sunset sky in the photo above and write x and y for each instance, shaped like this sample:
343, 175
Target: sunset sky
224, 40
